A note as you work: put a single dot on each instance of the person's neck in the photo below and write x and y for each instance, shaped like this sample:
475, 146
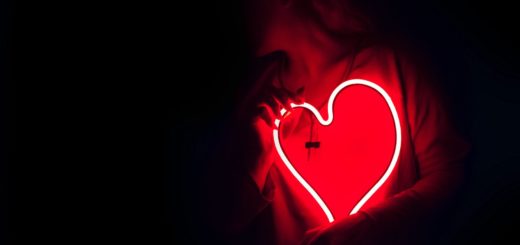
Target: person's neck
313, 57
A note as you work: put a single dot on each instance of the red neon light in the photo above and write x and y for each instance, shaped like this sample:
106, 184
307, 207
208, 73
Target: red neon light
327, 122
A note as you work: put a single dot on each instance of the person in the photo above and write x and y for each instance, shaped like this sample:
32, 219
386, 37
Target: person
306, 48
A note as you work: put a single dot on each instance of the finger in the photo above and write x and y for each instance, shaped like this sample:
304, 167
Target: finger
267, 114
274, 104
284, 98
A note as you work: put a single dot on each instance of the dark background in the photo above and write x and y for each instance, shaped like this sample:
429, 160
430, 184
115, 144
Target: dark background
111, 109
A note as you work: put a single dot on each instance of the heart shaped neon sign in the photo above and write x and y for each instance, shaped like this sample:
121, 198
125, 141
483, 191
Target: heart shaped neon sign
327, 122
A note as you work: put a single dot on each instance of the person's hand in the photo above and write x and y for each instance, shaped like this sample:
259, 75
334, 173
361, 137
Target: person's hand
350, 230
268, 109
259, 109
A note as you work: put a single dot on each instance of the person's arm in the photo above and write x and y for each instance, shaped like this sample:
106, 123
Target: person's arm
440, 154
240, 187
231, 197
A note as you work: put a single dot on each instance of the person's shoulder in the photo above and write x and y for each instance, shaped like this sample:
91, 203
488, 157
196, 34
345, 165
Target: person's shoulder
402, 51
412, 62
378, 52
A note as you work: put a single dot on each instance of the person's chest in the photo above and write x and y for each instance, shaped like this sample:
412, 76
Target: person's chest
334, 165
342, 148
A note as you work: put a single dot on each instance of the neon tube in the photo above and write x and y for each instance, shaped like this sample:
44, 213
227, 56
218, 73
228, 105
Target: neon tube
327, 122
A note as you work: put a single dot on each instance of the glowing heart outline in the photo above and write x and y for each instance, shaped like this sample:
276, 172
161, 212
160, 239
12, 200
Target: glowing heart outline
327, 122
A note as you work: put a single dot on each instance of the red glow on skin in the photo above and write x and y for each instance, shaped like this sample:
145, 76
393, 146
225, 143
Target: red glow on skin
360, 145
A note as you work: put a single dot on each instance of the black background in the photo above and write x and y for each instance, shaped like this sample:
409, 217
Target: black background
111, 108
